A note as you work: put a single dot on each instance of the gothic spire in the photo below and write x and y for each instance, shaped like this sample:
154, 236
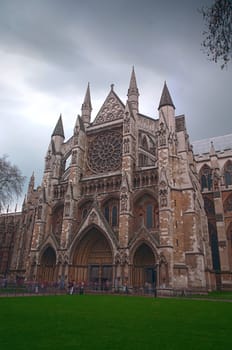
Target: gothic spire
165, 99
133, 89
86, 107
79, 124
87, 100
32, 180
59, 130
133, 92
31, 184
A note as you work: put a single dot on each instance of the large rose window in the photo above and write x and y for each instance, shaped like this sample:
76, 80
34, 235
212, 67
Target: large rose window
105, 151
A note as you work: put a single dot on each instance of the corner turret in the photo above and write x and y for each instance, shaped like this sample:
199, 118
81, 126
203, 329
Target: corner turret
167, 109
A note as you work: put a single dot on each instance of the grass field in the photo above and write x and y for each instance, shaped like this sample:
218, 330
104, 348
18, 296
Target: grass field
113, 322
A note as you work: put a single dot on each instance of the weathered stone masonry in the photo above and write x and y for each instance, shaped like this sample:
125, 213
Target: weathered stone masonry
125, 200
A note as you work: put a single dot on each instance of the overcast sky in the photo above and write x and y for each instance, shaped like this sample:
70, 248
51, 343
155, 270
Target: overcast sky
51, 49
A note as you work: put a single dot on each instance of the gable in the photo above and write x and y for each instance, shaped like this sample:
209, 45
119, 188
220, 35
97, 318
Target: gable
112, 109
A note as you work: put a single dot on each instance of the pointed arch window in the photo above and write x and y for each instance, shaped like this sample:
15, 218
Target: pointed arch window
149, 216
144, 143
228, 173
146, 213
209, 206
214, 247
206, 178
110, 211
143, 160
228, 204
84, 209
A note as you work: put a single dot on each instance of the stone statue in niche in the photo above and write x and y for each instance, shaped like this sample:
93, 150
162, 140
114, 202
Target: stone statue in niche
126, 144
162, 135
124, 202
48, 160
39, 214
216, 179
74, 157
67, 209
163, 192
127, 123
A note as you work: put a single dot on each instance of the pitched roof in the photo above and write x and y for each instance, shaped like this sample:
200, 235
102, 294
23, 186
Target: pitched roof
220, 143
165, 99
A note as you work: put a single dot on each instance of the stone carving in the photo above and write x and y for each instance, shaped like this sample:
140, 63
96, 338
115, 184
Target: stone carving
126, 123
93, 217
74, 157
39, 213
67, 209
162, 135
121, 258
111, 110
126, 146
163, 192
216, 179
48, 161
63, 258
124, 200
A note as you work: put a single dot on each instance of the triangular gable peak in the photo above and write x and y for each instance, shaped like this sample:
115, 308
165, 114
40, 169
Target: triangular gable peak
95, 217
112, 109
50, 241
144, 236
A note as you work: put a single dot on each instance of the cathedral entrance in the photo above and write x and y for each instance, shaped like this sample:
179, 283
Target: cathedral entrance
143, 271
47, 271
92, 261
100, 277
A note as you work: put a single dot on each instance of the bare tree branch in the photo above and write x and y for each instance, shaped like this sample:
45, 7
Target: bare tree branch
11, 182
217, 43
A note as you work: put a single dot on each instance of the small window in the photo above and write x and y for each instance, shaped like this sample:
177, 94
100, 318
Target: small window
114, 216
206, 178
144, 143
149, 216
228, 174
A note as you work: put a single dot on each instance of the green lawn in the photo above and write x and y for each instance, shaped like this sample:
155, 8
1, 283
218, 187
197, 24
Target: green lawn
113, 322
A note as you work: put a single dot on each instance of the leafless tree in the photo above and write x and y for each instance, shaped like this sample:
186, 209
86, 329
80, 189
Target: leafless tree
11, 181
217, 42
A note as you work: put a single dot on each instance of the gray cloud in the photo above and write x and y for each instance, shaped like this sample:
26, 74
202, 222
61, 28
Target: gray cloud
50, 49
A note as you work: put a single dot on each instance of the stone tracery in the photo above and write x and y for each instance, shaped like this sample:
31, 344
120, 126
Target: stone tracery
105, 152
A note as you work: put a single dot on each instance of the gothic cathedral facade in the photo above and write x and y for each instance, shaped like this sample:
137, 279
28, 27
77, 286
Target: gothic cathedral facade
125, 200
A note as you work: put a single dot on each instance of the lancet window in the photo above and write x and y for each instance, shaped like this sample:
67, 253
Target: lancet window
228, 173
110, 210
146, 213
206, 178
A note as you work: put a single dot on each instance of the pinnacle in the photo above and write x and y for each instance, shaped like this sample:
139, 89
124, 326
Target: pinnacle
133, 84
87, 99
59, 130
165, 99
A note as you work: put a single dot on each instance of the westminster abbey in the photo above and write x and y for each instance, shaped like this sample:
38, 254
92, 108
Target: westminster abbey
127, 200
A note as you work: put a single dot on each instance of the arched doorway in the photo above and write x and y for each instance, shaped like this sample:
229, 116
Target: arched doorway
47, 271
143, 270
92, 261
